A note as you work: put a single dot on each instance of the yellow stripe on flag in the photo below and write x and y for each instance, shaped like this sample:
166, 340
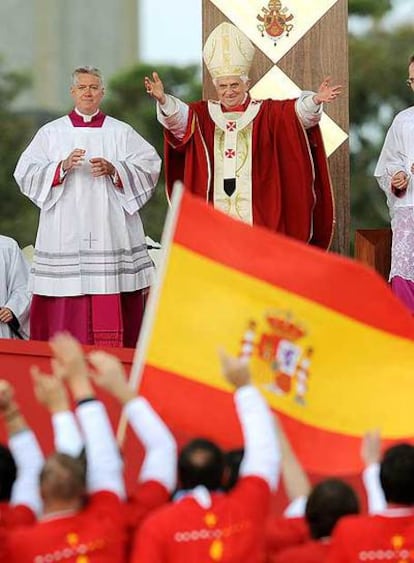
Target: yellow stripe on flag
352, 384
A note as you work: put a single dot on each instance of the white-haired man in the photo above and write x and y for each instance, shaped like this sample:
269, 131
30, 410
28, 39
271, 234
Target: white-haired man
90, 174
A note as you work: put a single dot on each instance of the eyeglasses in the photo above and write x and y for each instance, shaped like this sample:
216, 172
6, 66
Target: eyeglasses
409, 81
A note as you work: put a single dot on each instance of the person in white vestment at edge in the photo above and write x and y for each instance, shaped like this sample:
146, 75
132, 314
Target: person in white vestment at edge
14, 293
394, 174
89, 174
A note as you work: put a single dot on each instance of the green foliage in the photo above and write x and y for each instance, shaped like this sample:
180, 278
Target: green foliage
18, 218
127, 100
372, 8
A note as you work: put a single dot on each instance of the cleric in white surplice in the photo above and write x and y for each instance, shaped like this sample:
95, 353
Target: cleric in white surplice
14, 293
89, 174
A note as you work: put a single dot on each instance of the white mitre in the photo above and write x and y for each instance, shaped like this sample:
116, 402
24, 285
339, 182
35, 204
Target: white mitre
228, 52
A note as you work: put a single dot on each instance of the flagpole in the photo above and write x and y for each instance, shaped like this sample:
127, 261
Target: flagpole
153, 300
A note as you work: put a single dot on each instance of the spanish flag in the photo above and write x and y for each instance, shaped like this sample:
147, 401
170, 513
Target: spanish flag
329, 345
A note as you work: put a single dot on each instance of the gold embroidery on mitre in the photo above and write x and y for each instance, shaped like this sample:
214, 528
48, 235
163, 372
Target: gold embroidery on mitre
228, 52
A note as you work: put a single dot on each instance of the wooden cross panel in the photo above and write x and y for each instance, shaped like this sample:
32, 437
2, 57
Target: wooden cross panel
321, 52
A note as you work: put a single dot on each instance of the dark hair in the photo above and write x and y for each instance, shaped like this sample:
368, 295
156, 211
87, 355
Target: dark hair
327, 503
232, 461
411, 59
8, 472
63, 477
397, 474
201, 462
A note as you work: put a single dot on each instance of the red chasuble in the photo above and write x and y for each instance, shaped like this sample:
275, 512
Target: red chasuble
291, 188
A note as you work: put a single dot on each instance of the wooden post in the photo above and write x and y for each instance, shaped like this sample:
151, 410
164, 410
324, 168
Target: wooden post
322, 51
373, 248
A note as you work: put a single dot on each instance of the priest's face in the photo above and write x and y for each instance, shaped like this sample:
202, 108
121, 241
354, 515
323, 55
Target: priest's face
231, 90
87, 93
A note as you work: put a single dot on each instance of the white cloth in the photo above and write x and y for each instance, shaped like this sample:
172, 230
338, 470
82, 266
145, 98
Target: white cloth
104, 471
14, 293
29, 462
296, 508
261, 456
397, 155
66, 433
160, 462
375, 495
90, 238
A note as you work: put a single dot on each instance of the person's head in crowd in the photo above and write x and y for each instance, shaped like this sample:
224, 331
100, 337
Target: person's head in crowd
329, 501
201, 462
397, 474
63, 480
8, 473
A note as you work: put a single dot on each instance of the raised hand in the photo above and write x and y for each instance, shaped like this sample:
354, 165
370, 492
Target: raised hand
371, 447
327, 93
49, 390
155, 88
73, 367
235, 370
110, 375
6, 395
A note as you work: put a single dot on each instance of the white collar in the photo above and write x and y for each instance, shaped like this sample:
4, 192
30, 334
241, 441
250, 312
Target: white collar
200, 494
86, 118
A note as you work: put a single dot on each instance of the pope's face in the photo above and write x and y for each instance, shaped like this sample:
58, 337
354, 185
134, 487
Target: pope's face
87, 93
231, 90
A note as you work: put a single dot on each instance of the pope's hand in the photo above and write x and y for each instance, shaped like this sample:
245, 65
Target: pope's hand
155, 88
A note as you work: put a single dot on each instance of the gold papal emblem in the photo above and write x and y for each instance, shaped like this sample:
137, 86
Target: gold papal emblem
275, 21
280, 346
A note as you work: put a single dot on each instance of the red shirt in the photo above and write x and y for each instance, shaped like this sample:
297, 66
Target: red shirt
94, 534
373, 538
147, 497
311, 551
14, 516
282, 533
231, 530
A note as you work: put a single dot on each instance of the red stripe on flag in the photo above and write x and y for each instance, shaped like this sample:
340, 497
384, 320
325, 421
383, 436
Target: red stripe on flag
335, 282
192, 409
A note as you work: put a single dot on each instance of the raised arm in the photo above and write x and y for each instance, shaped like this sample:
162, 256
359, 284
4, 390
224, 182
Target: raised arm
309, 105
104, 464
295, 479
261, 446
371, 456
172, 113
25, 450
160, 448
50, 391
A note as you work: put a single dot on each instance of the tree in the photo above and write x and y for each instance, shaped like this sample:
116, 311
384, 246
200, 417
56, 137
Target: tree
127, 100
18, 217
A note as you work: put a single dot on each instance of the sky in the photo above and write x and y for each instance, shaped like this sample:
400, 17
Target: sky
170, 31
